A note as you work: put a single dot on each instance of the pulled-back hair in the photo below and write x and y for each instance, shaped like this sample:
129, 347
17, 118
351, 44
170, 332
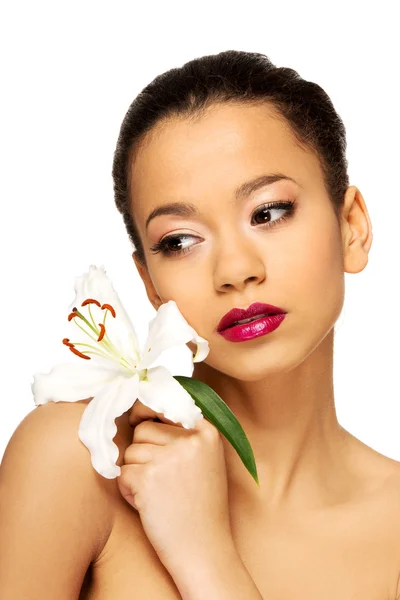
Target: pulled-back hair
232, 76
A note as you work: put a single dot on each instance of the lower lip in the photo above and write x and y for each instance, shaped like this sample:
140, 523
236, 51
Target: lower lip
253, 329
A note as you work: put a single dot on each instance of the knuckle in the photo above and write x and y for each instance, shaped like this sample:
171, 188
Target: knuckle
192, 445
141, 428
129, 454
124, 480
195, 440
210, 432
136, 502
127, 489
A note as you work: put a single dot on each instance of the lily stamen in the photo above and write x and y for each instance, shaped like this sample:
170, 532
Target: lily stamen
104, 323
91, 316
114, 355
102, 332
109, 350
110, 308
74, 350
91, 301
107, 307
110, 347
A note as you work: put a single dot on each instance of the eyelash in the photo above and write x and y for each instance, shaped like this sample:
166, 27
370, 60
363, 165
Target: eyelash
162, 245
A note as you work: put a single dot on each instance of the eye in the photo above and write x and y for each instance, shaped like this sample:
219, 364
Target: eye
266, 210
173, 244
164, 246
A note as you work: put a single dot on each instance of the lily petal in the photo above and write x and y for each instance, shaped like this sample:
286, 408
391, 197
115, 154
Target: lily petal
97, 427
162, 393
97, 285
167, 329
68, 382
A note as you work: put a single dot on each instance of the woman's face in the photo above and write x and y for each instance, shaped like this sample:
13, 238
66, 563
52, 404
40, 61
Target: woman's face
236, 253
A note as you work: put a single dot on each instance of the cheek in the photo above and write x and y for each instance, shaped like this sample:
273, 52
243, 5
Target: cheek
318, 274
187, 288
175, 284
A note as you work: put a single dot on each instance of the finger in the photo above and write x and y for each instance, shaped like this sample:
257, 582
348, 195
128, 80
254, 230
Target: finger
160, 434
129, 482
140, 412
140, 453
208, 430
204, 424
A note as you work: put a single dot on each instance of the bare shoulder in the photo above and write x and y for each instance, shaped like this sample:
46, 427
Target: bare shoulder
391, 495
384, 512
378, 471
46, 445
383, 476
56, 511
59, 421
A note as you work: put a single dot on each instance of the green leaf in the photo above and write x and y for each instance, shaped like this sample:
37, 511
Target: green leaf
220, 415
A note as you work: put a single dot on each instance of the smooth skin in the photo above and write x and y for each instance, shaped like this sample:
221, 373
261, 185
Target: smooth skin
166, 465
325, 522
187, 522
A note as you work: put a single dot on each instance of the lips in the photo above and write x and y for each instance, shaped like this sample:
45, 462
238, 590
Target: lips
254, 310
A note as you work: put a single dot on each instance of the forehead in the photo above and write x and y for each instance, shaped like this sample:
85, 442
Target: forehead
195, 160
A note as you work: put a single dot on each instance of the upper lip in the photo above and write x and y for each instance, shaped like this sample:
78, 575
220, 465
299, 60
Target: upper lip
238, 314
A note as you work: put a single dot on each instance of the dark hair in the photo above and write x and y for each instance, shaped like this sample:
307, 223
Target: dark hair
239, 77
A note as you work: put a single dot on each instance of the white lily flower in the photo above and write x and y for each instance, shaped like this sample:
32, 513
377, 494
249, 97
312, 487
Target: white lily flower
119, 372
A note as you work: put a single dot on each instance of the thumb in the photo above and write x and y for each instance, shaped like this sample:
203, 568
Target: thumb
140, 412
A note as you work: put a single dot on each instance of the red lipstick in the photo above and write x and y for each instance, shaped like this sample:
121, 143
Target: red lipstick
262, 319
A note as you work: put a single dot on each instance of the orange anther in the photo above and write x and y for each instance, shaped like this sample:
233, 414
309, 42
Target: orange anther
90, 301
72, 315
102, 332
110, 308
75, 351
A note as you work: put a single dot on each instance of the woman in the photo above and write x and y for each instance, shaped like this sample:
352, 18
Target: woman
231, 177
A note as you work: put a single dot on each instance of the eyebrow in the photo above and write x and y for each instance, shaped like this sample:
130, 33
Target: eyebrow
186, 209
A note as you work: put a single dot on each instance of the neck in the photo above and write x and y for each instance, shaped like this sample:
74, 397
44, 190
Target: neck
290, 420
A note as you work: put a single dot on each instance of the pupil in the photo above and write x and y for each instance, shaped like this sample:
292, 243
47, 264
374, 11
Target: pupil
264, 210
175, 244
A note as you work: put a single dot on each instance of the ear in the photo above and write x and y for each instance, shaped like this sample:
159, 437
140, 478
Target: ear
356, 231
145, 275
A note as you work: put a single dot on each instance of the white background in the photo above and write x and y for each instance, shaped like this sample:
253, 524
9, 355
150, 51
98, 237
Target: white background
69, 72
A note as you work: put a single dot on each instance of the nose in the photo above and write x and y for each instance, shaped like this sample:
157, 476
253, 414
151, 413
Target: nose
237, 262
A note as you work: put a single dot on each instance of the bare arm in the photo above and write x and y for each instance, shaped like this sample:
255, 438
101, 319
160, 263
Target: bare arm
219, 576
54, 519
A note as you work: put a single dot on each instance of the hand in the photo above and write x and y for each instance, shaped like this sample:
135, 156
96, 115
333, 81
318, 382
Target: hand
176, 479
